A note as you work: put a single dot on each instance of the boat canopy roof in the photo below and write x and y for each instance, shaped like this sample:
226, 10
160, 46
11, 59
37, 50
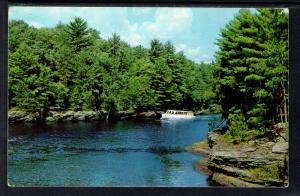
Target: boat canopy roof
179, 112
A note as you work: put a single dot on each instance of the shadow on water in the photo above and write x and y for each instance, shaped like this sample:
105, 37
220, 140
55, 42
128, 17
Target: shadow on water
46, 149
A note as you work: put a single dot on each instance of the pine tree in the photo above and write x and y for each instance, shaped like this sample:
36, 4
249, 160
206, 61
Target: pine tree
274, 29
155, 51
70, 67
249, 66
78, 34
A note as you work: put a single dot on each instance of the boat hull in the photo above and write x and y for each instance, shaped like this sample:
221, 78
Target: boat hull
172, 116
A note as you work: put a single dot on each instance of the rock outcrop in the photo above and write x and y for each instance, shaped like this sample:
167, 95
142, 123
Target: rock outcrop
22, 116
73, 116
255, 163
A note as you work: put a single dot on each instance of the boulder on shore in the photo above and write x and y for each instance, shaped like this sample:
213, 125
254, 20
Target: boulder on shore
280, 147
22, 116
251, 163
73, 116
16, 115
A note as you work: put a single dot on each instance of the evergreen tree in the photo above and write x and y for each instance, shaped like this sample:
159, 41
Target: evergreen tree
155, 51
70, 67
247, 66
78, 34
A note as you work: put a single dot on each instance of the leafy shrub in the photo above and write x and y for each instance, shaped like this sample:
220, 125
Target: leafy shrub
238, 128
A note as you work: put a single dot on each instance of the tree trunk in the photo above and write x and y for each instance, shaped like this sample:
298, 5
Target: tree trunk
285, 106
107, 116
284, 103
281, 116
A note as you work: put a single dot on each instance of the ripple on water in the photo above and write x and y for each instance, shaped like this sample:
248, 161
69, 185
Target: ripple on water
124, 153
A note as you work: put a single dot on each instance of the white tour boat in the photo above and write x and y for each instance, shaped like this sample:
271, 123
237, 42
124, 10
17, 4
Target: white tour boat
177, 114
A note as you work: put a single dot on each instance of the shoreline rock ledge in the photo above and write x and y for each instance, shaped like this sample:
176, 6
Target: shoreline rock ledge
258, 162
73, 116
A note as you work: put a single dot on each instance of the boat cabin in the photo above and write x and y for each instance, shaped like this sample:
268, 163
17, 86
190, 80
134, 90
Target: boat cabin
179, 112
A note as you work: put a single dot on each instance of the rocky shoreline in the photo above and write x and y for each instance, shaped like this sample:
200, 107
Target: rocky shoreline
257, 162
73, 116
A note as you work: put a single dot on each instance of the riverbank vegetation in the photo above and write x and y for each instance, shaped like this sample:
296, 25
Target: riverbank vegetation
251, 72
251, 84
71, 67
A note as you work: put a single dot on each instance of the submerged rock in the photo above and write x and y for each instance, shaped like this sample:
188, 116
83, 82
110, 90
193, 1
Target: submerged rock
201, 148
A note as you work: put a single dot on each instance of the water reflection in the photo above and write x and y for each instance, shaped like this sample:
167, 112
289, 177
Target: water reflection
124, 153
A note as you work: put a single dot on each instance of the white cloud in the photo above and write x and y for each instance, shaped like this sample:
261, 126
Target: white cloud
193, 53
135, 39
35, 24
105, 19
180, 47
205, 58
174, 19
167, 23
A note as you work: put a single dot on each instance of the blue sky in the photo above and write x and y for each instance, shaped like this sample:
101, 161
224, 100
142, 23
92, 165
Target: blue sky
191, 30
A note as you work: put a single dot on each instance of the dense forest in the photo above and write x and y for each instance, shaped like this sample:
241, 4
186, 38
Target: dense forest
251, 71
70, 67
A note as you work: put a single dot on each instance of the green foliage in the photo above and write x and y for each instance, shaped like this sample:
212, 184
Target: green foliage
251, 71
215, 122
238, 127
70, 67
272, 171
78, 34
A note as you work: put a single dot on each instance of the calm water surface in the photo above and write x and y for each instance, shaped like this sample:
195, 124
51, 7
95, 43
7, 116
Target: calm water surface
123, 153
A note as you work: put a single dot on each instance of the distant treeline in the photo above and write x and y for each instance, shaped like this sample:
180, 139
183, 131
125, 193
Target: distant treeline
71, 67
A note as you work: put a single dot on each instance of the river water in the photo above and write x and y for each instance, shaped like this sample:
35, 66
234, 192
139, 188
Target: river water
122, 153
